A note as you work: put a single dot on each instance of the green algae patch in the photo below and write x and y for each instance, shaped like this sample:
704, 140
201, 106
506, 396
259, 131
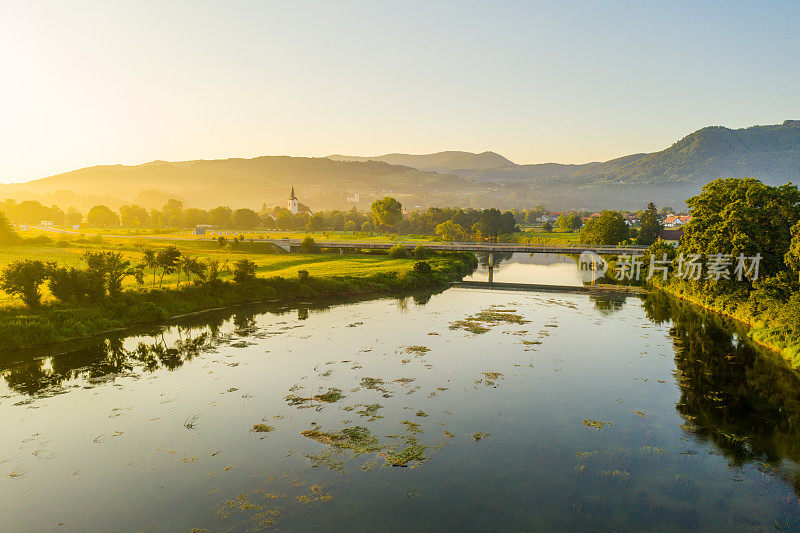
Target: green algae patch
414, 453
478, 435
483, 321
417, 350
262, 428
370, 411
357, 439
332, 396
596, 424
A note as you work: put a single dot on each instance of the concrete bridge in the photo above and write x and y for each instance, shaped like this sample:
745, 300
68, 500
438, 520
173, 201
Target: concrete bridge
293, 245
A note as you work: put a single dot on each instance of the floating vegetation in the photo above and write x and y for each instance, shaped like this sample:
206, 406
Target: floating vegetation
488, 318
596, 424
357, 439
370, 411
262, 428
639, 413
417, 350
422, 414
332, 396
531, 343
413, 427
615, 473
354, 324
412, 453
373, 383
494, 376
446, 434
478, 435
586, 454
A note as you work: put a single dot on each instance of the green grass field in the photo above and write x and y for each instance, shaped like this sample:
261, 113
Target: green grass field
267, 264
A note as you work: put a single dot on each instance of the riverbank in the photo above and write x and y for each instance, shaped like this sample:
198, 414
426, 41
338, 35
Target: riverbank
22, 328
773, 323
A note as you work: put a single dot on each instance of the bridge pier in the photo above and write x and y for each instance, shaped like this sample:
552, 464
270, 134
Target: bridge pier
491, 267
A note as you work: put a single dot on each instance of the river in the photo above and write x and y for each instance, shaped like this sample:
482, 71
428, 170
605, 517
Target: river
468, 409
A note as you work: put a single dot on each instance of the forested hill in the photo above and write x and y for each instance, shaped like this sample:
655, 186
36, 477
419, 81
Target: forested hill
444, 162
463, 179
320, 182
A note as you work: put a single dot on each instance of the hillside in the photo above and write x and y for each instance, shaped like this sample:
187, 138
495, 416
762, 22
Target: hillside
770, 153
444, 162
322, 183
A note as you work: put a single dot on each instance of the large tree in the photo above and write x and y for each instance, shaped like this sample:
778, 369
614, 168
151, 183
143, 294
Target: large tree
387, 212
7, 234
245, 219
608, 228
23, 278
743, 216
101, 216
651, 226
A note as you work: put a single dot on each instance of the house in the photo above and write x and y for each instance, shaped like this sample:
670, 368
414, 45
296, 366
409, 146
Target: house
671, 236
676, 221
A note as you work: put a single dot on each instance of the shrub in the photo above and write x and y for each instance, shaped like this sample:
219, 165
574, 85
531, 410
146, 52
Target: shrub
420, 252
222, 241
244, 270
72, 285
309, 246
23, 279
547, 227
423, 267
303, 275
398, 251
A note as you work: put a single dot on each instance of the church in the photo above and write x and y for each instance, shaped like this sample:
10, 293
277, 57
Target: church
292, 204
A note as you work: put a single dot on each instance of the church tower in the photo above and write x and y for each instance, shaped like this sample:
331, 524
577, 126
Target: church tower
292, 205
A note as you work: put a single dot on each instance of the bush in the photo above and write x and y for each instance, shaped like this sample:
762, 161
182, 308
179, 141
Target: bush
420, 252
303, 275
222, 241
244, 270
547, 227
423, 267
23, 279
309, 246
398, 251
72, 285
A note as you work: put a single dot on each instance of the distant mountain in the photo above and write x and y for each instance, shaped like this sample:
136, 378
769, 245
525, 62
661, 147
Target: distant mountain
444, 162
770, 153
320, 182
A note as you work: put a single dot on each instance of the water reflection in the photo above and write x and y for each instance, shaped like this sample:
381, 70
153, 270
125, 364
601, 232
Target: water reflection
547, 269
738, 397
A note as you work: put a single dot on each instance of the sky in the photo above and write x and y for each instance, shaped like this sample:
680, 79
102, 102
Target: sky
114, 82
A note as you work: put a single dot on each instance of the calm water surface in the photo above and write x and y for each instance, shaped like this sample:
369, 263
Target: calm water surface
507, 410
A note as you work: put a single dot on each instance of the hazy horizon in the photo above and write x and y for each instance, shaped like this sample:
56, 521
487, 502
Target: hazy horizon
96, 83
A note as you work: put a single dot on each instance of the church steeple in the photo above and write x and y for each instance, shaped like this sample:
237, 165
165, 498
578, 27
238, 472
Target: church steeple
292, 204
292, 196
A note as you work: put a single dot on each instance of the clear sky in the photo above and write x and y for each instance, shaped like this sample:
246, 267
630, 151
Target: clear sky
102, 82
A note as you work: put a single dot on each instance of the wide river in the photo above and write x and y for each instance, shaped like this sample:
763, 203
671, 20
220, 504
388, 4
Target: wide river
469, 409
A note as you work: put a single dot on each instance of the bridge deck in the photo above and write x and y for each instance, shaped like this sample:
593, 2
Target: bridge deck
537, 287
465, 247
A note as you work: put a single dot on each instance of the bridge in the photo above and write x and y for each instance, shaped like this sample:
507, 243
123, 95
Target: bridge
293, 245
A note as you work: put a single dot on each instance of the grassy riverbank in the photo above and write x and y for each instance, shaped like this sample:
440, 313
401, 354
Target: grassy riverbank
773, 319
54, 322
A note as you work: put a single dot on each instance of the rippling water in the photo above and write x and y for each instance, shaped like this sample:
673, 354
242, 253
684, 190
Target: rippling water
468, 409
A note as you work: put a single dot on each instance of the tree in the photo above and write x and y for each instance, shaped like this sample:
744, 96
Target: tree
167, 260
450, 231
150, 260
387, 212
191, 267
244, 271
245, 219
101, 216
608, 228
792, 257
221, 217
73, 285
508, 224
73, 217
743, 216
350, 226
23, 279
547, 227
7, 233
111, 267
651, 226
134, 216
172, 214
398, 251
309, 246
569, 222
489, 223
316, 222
